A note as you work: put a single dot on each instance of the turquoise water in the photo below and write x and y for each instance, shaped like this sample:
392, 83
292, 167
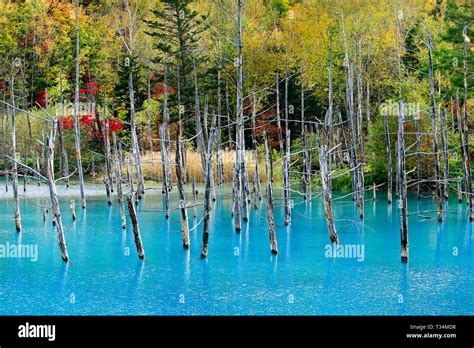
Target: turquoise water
240, 276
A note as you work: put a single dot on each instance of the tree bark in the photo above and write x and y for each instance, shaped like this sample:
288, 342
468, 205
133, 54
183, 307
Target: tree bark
269, 194
388, 149
64, 157
444, 146
465, 124
77, 131
207, 195
53, 193
402, 185
435, 135
286, 159
165, 190
254, 148
136, 229
135, 145
182, 198
118, 176
418, 155
14, 170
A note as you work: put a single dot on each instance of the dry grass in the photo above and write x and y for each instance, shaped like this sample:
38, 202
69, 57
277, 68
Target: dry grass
151, 165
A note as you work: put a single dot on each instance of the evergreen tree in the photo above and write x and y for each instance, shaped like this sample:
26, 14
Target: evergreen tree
176, 29
451, 57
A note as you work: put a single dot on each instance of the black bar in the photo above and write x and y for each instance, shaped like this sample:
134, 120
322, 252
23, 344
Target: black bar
244, 330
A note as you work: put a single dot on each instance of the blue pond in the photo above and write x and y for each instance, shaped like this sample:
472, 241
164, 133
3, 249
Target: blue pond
240, 276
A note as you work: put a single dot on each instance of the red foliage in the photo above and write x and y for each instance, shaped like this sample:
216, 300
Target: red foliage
115, 125
94, 134
87, 120
159, 89
67, 122
27, 39
90, 125
92, 88
41, 98
44, 48
264, 124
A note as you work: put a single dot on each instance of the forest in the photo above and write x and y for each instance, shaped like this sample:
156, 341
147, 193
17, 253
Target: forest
274, 101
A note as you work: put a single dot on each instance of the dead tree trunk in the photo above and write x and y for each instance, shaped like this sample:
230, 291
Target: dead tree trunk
306, 165
165, 190
286, 180
107, 150
389, 157
194, 198
435, 133
254, 148
200, 136
324, 155
77, 131
118, 176
350, 111
14, 170
108, 178
136, 229
444, 145
360, 132
325, 178
64, 157
53, 194
239, 178
278, 118
465, 124
269, 194
149, 115
402, 185
367, 102
130, 177
180, 125
25, 172
135, 145
166, 133
305, 183
220, 163
229, 123
182, 198
254, 192
418, 155
206, 138
72, 205
286, 160
459, 190
207, 195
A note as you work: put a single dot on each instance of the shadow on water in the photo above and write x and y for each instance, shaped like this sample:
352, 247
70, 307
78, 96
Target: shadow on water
63, 276
468, 239
403, 300
139, 270
440, 231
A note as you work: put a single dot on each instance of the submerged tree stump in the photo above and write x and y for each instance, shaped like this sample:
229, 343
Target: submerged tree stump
118, 175
136, 229
207, 195
182, 198
14, 169
269, 194
402, 194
